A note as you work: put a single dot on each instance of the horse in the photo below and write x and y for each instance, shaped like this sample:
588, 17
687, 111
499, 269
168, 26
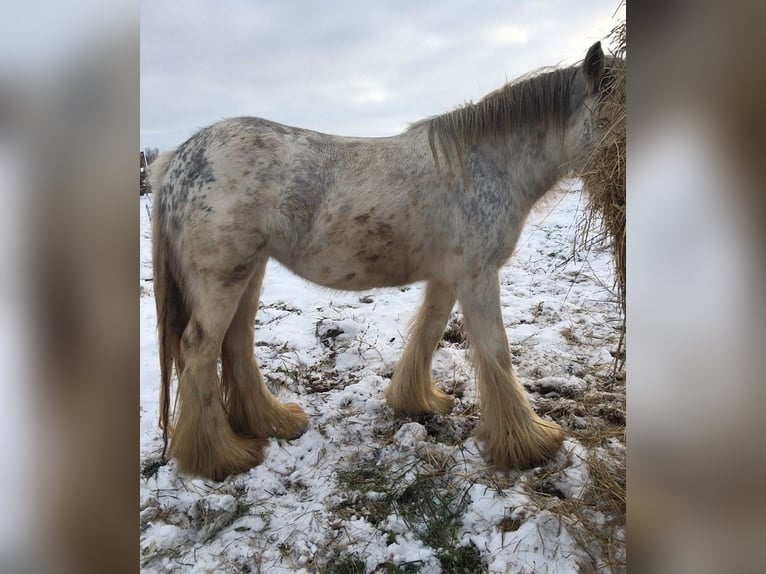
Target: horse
443, 202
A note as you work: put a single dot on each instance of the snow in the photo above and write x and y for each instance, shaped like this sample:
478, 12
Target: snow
410, 434
333, 353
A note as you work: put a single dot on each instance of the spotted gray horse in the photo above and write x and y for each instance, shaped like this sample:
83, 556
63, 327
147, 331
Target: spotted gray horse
443, 202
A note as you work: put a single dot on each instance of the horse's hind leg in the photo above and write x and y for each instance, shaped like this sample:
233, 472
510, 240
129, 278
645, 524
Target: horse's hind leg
513, 435
411, 390
203, 442
253, 410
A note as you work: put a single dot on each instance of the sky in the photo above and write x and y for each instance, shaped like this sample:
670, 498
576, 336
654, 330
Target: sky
345, 67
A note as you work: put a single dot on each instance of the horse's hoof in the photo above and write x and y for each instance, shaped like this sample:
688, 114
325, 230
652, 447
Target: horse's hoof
233, 456
293, 422
521, 446
436, 401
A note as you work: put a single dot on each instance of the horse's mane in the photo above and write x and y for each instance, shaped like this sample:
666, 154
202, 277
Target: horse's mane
540, 99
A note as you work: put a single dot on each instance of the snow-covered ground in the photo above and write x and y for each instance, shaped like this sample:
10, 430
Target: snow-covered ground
365, 489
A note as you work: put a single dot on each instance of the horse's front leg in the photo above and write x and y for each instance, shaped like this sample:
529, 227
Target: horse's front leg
512, 433
411, 390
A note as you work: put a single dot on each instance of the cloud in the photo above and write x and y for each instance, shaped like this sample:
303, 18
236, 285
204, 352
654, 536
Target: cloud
508, 35
341, 66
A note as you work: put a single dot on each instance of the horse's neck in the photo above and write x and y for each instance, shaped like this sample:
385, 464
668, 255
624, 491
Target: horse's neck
531, 163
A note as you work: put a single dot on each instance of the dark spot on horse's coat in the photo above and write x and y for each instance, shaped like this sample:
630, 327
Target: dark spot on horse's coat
385, 231
373, 258
193, 334
258, 141
246, 173
324, 270
350, 276
164, 190
260, 242
191, 170
362, 219
458, 250
239, 273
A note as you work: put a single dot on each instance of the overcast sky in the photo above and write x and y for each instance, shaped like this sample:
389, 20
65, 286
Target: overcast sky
361, 68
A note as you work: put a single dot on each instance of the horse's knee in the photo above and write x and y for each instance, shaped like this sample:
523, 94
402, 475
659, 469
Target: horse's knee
193, 336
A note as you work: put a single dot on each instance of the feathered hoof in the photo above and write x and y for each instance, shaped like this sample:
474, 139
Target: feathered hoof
290, 421
274, 419
524, 445
231, 454
433, 401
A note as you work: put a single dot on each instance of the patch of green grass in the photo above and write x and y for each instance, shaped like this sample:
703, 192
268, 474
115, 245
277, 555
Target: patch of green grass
348, 565
462, 560
354, 565
432, 506
364, 479
404, 568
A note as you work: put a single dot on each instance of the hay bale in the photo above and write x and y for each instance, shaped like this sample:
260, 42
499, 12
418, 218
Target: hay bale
604, 177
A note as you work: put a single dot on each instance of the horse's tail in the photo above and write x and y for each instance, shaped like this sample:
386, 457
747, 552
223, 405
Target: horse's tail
172, 314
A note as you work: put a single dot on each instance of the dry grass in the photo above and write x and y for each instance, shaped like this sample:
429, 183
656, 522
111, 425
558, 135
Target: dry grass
604, 177
597, 521
596, 419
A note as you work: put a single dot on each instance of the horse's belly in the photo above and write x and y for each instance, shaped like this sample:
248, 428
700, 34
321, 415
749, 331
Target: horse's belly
360, 266
361, 248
